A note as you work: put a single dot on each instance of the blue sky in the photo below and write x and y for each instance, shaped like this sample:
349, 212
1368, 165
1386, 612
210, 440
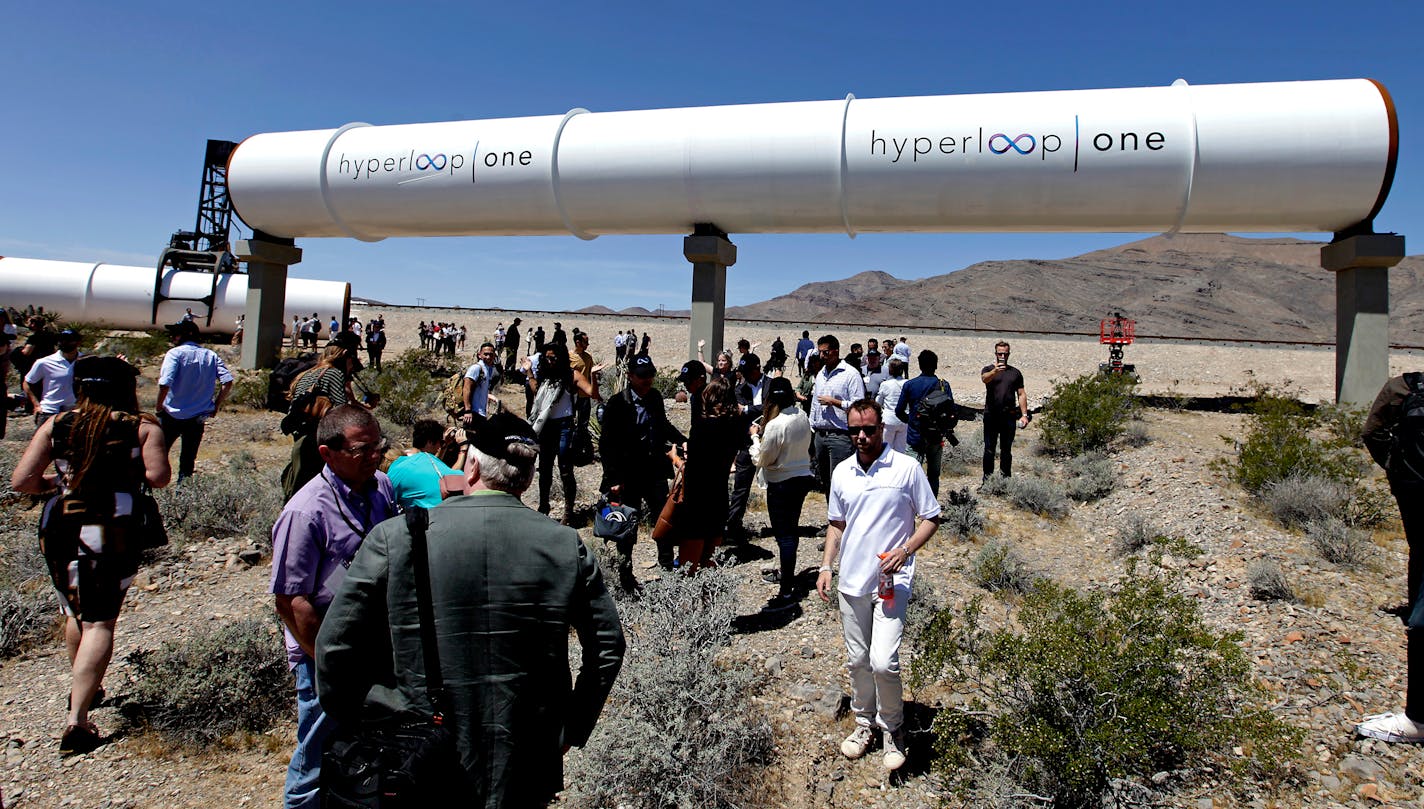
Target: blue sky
105, 109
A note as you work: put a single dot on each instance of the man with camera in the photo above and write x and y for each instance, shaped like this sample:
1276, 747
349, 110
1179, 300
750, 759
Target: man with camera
633, 446
1005, 408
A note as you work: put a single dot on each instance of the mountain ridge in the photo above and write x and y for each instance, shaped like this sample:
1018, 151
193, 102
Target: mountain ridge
1186, 285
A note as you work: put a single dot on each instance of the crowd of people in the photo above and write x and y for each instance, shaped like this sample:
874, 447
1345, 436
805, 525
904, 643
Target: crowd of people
507, 584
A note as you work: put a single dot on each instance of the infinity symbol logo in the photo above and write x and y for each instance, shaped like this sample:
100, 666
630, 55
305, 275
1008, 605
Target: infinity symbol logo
438, 162
1011, 143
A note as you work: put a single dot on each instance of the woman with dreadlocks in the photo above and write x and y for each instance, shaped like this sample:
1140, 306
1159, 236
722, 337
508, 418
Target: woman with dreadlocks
103, 453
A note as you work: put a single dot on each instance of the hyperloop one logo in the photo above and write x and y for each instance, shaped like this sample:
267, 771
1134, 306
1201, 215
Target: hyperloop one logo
1063, 147
426, 165
1000, 143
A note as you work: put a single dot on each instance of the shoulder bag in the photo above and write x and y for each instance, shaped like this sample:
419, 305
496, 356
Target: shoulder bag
667, 524
393, 765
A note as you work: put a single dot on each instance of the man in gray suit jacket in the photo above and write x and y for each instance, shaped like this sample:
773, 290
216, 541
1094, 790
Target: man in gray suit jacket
507, 583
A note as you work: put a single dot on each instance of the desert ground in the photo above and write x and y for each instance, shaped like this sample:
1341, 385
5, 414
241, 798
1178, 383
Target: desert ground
1324, 660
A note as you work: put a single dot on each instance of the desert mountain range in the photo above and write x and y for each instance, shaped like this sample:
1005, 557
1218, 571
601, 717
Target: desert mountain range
1198, 285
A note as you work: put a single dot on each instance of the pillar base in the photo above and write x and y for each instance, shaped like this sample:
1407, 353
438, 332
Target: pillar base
1361, 264
711, 253
267, 262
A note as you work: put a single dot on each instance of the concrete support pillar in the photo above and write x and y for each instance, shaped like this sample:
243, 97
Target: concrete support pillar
711, 253
267, 260
1361, 265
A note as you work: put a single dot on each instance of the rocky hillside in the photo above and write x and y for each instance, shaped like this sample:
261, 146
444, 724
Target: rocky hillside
1198, 285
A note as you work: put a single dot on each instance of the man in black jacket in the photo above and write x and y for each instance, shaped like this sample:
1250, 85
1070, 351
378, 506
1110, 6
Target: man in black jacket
1394, 435
751, 395
634, 446
507, 585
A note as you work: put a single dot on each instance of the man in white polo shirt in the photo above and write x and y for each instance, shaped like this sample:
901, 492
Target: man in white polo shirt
875, 497
50, 381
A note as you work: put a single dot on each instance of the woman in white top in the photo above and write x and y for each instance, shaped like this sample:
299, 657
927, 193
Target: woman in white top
782, 448
889, 398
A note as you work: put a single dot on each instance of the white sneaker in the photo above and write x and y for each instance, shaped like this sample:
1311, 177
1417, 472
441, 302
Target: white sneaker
857, 742
894, 750
1391, 727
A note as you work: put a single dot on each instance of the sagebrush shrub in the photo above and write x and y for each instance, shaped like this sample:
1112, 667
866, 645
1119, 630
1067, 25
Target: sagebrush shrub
27, 614
968, 454
1094, 687
412, 386
1000, 567
666, 383
1302, 498
1339, 543
679, 728
1136, 434
1091, 476
995, 485
1268, 581
138, 347
241, 501
1283, 439
1087, 413
222, 679
961, 517
1134, 534
1039, 495
249, 389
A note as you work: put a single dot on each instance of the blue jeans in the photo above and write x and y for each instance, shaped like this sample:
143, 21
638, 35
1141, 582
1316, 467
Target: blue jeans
554, 445
783, 505
314, 727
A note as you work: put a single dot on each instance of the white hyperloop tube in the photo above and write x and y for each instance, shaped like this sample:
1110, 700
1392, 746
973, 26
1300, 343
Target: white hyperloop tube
1286, 156
122, 297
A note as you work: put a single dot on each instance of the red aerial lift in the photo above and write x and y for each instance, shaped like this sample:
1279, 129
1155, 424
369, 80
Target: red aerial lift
1115, 332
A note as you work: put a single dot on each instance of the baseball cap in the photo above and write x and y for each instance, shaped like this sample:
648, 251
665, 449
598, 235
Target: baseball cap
749, 360
690, 371
183, 328
69, 336
643, 367
347, 340
494, 435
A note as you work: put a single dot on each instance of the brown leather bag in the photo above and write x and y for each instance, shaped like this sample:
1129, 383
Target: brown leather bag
667, 525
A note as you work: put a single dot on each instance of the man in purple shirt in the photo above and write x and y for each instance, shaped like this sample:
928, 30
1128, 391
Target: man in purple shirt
313, 542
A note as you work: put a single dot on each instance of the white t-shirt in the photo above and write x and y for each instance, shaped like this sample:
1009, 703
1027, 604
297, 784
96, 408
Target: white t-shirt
879, 506
479, 397
54, 376
902, 350
889, 398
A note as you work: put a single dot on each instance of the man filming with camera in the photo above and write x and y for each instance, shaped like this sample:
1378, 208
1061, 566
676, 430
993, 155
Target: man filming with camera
1005, 409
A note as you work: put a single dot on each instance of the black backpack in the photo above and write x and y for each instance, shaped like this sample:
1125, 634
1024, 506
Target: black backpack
935, 414
1407, 453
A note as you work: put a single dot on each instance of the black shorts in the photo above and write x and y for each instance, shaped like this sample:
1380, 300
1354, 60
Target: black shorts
88, 559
